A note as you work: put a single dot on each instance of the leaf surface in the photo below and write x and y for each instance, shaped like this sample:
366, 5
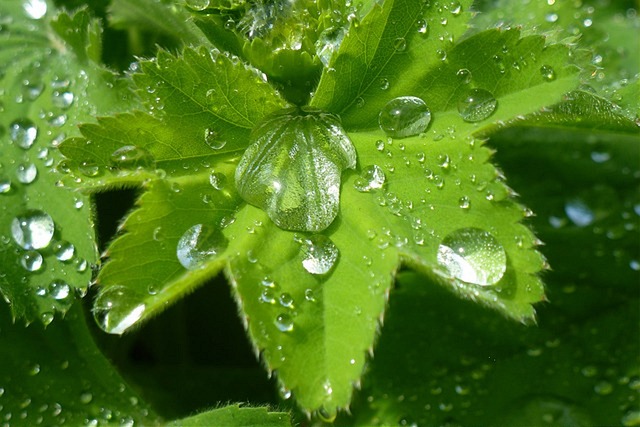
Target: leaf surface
49, 85
236, 416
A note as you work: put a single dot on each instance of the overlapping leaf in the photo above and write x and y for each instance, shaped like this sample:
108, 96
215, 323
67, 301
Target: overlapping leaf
49, 78
312, 303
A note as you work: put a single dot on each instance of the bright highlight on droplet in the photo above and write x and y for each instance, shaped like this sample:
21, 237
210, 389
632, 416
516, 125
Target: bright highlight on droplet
32, 230
320, 254
473, 256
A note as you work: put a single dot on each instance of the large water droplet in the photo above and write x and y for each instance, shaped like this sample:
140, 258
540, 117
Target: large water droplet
284, 322
293, 168
404, 116
217, 180
23, 132
117, 308
199, 244
132, 157
473, 256
371, 178
35, 9
320, 254
476, 105
198, 4
32, 230
63, 250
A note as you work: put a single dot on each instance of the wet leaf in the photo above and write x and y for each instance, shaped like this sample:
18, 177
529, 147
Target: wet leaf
47, 244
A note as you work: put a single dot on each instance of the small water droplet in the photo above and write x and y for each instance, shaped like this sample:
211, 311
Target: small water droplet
31, 261
286, 300
217, 180
26, 173
86, 397
117, 308
63, 250
603, 388
464, 75
384, 84
320, 254
33, 229
455, 8
423, 26
89, 168
23, 132
579, 212
400, 44
309, 295
473, 255
5, 185
284, 322
404, 116
62, 100
464, 202
199, 244
631, 418
213, 140
59, 290
198, 5
477, 105
130, 157
548, 73
371, 178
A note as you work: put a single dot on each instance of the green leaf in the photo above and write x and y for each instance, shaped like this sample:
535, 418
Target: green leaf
46, 91
157, 17
58, 376
203, 106
236, 416
383, 56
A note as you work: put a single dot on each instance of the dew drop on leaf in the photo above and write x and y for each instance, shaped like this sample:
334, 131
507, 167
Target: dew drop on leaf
371, 178
23, 132
319, 254
455, 8
464, 75
26, 173
284, 322
292, 170
199, 244
217, 180
197, 4
476, 105
132, 157
548, 73
404, 116
32, 230
31, 261
117, 308
35, 9
59, 290
212, 139
63, 250
62, 100
89, 168
423, 27
5, 185
473, 256
579, 212
400, 44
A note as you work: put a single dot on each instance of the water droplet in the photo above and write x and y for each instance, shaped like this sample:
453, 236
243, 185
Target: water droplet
579, 212
384, 84
371, 178
631, 418
284, 322
286, 300
320, 254
548, 73
32, 230
31, 261
299, 192
62, 100
212, 139
455, 8
217, 180
26, 173
131, 157
23, 132
477, 105
5, 185
46, 318
89, 168
404, 116
117, 308
59, 290
464, 75
86, 397
199, 244
198, 4
603, 388
63, 250
600, 156
464, 202
474, 256
400, 44
423, 26
309, 295
35, 9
